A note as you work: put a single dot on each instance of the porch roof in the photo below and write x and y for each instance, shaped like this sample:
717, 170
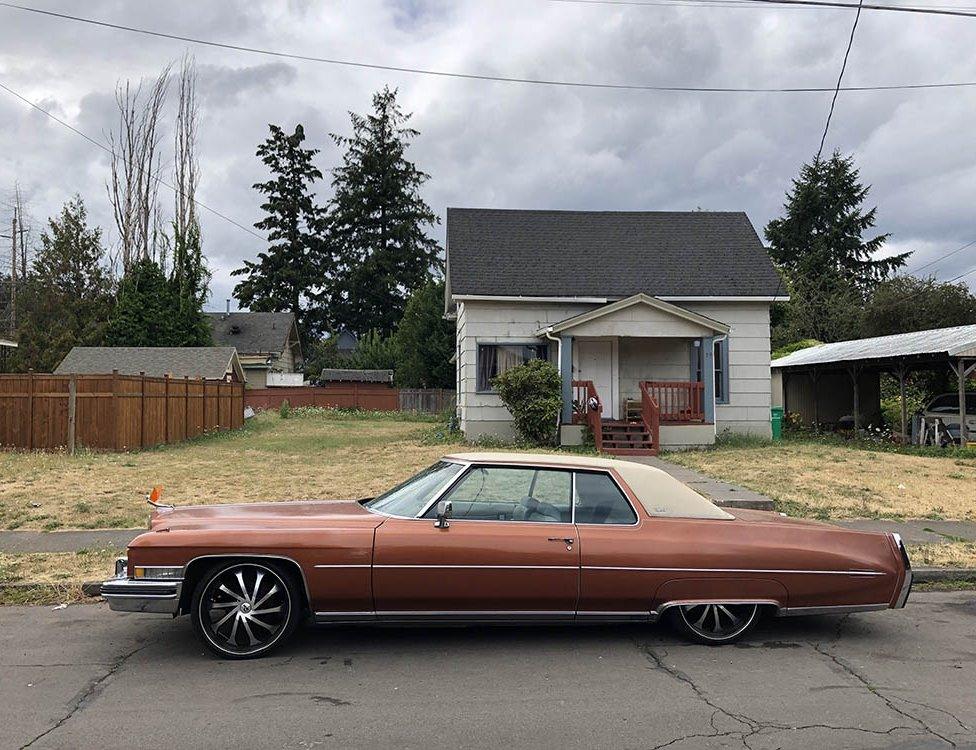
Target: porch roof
664, 311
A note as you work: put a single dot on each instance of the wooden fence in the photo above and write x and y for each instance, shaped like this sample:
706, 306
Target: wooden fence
113, 412
369, 396
430, 400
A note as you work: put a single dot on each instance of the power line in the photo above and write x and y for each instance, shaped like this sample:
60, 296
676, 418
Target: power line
109, 151
840, 77
942, 258
937, 10
485, 77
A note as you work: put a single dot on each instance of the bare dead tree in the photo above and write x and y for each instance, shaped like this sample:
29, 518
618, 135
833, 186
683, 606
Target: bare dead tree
187, 173
134, 185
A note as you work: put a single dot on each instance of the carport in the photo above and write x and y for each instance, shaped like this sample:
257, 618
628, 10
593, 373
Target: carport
822, 378
4, 346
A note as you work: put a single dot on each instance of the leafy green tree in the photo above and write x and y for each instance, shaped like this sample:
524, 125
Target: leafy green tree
288, 275
424, 341
819, 245
909, 303
532, 393
67, 299
378, 221
144, 311
190, 279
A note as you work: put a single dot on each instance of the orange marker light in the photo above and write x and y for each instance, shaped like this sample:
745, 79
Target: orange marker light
157, 492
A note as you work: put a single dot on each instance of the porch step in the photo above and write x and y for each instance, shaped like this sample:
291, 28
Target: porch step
622, 438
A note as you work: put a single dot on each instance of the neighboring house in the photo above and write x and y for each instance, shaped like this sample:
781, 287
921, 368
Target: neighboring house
674, 305
266, 342
346, 343
211, 362
5, 345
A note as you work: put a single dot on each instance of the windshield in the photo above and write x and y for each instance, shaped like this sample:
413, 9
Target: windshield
949, 404
412, 496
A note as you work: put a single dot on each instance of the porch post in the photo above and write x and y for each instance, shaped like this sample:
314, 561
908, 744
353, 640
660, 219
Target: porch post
566, 373
708, 376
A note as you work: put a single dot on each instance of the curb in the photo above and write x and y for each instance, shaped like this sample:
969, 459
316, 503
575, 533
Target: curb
934, 575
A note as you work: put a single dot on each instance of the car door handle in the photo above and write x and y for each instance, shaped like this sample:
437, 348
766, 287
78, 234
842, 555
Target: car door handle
563, 539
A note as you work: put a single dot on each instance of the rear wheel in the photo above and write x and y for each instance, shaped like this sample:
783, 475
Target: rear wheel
243, 610
715, 623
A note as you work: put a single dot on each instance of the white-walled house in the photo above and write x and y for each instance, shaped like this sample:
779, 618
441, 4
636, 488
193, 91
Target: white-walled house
658, 321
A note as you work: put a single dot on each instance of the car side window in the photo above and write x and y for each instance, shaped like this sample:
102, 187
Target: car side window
599, 500
498, 493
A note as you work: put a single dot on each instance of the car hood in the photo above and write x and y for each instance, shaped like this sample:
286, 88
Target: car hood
299, 514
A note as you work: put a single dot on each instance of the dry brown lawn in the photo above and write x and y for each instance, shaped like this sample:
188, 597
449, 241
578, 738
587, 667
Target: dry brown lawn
52, 577
944, 555
838, 481
328, 456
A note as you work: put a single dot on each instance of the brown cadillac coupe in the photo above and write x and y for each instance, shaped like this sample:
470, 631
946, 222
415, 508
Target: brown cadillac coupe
500, 538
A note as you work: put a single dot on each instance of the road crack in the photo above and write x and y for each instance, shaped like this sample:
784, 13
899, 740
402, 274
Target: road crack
887, 701
89, 693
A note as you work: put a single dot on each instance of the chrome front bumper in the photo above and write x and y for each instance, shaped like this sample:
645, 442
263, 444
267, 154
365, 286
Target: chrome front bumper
125, 594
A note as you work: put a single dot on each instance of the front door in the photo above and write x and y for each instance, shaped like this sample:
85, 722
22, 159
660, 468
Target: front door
510, 551
595, 361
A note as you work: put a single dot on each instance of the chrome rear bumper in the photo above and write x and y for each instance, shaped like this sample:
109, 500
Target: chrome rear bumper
906, 586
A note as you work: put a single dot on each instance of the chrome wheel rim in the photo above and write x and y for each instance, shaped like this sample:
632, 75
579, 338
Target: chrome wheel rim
718, 622
245, 609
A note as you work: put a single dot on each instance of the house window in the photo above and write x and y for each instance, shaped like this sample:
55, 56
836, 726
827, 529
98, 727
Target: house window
494, 359
721, 364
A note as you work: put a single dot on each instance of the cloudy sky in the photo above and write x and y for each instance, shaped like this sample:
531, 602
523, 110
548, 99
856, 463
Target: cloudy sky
510, 145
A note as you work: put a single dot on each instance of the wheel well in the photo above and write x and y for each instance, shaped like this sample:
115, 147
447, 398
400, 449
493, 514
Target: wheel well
197, 567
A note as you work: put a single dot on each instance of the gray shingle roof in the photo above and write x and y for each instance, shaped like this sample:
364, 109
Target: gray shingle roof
196, 362
948, 341
607, 254
252, 332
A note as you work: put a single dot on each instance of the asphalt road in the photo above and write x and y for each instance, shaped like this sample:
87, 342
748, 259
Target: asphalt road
84, 677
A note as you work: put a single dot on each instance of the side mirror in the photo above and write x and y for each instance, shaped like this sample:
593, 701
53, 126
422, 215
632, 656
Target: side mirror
444, 510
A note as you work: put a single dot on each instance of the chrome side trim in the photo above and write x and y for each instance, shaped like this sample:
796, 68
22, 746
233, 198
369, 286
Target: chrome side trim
906, 586
485, 567
837, 609
739, 570
330, 565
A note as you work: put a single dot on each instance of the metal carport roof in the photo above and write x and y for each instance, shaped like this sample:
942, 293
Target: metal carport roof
959, 341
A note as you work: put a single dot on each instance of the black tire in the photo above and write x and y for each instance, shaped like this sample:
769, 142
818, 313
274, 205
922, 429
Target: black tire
715, 623
245, 609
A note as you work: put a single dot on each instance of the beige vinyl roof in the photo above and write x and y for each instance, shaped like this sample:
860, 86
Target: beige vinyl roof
659, 492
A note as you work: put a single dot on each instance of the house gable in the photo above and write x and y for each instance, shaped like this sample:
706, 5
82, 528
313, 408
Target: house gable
638, 315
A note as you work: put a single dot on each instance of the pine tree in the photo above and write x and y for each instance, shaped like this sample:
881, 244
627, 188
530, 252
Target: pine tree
819, 245
377, 222
821, 233
286, 277
67, 299
144, 310
190, 280
424, 341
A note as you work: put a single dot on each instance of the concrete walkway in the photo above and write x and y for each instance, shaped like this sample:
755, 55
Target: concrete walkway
722, 493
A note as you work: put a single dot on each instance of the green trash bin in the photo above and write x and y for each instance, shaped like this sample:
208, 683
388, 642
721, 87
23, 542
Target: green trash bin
776, 421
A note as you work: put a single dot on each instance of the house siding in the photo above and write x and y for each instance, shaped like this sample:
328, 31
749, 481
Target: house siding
483, 322
749, 376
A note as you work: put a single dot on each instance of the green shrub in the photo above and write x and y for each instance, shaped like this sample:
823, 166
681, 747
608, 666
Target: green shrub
284, 411
533, 394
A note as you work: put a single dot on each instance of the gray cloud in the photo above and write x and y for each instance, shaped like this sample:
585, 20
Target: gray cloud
497, 144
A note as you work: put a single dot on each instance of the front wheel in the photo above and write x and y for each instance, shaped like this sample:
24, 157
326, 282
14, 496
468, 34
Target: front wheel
714, 623
243, 610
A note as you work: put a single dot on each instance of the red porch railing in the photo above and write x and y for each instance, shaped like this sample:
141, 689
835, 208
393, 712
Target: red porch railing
651, 415
680, 401
588, 409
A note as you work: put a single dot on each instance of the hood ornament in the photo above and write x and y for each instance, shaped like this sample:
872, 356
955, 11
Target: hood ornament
153, 499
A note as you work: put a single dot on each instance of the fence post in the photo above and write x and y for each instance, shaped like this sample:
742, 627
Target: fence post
115, 410
72, 410
30, 409
142, 410
166, 408
186, 406
204, 428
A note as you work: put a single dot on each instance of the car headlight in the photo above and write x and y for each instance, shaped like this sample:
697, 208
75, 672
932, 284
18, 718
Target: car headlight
158, 572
